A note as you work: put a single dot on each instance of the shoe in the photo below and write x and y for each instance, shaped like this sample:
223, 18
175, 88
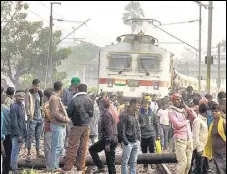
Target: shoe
100, 170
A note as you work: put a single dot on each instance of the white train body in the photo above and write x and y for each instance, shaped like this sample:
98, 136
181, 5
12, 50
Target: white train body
135, 67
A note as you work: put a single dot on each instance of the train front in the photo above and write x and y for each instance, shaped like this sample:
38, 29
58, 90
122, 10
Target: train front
136, 65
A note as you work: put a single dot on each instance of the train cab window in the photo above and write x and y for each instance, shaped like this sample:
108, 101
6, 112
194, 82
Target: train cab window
149, 63
120, 62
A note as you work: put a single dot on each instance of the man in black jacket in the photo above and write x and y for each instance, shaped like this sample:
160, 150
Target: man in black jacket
80, 110
131, 136
18, 128
149, 129
108, 140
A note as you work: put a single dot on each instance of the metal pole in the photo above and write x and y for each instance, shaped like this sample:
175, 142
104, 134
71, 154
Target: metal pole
200, 41
50, 51
50, 45
209, 42
219, 57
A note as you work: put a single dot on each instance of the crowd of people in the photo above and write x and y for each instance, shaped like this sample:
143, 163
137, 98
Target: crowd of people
75, 123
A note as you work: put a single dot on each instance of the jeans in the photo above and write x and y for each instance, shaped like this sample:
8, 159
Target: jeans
164, 138
184, 149
35, 128
57, 144
8, 149
15, 153
78, 140
130, 154
47, 149
110, 156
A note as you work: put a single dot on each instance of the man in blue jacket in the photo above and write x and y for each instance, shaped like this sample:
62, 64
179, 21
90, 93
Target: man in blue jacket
18, 128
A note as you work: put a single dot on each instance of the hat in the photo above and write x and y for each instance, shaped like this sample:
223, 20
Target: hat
75, 81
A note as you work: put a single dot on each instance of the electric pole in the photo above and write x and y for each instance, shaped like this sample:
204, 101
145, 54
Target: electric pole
209, 43
50, 51
200, 40
219, 57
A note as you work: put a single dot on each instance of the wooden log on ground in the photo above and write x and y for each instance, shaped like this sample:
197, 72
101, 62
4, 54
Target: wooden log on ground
142, 159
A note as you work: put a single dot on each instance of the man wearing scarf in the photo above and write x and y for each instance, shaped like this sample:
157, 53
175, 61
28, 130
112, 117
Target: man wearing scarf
149, 130
178, 115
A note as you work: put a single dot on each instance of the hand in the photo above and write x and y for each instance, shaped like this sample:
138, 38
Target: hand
67, 120
3, 150
20, 139
107, 147
199, 153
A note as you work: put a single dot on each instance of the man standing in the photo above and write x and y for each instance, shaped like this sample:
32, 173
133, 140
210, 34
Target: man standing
149, 129
33, 104
164, 123
47, 131
223, 107
80, 110
18, 128
94, 120
154, 105
131, 137
68, 94
59, 120
10, 94
108, 140
66, 97
216, 145
6, 131
178, 115
200, 134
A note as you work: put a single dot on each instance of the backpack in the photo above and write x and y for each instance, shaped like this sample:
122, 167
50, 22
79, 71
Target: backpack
122, 117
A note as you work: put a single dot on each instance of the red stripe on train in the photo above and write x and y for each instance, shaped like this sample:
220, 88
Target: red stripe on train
103, 81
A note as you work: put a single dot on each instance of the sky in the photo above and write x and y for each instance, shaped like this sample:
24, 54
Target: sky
106, 23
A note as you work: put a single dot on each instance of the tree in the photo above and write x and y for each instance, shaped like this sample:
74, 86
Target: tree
24, 44
82, 53
133, 10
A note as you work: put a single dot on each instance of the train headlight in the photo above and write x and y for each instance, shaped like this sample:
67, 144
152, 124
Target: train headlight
110, 83
156, 85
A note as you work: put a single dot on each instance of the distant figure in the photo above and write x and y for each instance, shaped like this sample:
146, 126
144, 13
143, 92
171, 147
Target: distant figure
221, 95
10, 94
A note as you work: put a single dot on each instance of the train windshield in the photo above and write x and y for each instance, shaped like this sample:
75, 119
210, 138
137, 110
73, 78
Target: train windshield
120, 61
149, 63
